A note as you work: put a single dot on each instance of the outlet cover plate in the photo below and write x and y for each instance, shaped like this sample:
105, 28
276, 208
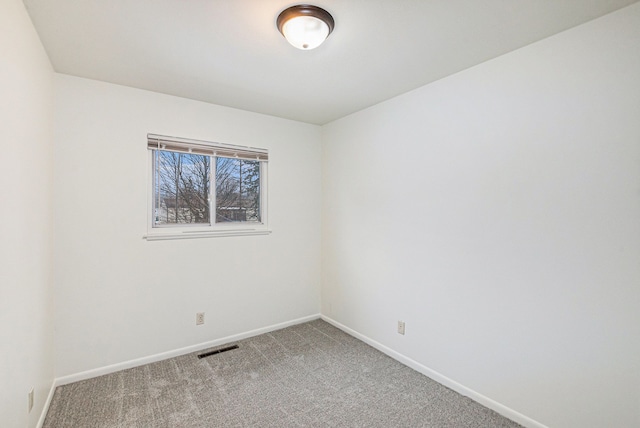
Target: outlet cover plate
401, 327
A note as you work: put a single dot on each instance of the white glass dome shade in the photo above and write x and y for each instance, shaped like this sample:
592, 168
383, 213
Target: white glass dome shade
305, 26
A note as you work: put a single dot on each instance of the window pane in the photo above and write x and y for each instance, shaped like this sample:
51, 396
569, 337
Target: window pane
237, 190
181, 188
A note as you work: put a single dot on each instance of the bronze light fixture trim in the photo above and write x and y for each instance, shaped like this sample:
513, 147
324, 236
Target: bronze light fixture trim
305, 26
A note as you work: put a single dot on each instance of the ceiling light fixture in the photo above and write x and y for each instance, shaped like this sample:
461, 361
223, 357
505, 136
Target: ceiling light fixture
305, 26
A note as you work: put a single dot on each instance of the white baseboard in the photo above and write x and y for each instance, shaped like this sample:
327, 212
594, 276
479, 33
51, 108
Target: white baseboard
442, 379
47, 403
438, 377
176, 352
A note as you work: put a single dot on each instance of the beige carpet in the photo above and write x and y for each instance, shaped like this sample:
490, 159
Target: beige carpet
308, 375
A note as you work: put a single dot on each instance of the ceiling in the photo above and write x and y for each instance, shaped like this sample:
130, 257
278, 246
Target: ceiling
229, 52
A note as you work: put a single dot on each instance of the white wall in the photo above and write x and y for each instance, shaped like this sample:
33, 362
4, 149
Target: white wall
497, 212
120, 297
26, 308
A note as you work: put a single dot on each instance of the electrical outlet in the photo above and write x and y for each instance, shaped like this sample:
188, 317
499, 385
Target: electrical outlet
401, 327
30, 400
200, 318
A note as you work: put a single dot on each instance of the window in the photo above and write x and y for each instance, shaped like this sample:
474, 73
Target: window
201, 189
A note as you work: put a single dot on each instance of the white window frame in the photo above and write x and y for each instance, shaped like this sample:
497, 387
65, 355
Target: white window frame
191, 231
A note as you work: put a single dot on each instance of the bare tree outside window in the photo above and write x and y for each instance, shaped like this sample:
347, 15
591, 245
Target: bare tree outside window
182, 184
237, 190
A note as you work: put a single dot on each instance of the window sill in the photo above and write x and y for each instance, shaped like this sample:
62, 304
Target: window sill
204, 234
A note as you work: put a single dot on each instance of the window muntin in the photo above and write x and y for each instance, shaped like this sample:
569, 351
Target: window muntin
201, 189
